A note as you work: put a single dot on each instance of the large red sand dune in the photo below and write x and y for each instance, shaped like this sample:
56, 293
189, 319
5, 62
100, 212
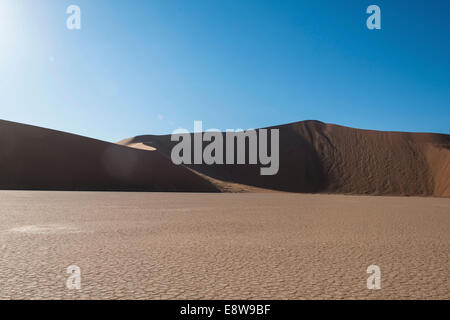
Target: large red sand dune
314, 158
326, 158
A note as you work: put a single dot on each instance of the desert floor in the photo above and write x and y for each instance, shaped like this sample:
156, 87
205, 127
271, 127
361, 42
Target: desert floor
222, 246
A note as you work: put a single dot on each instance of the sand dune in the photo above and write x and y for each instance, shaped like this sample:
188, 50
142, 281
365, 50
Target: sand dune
323, 158
314, 158
37, 158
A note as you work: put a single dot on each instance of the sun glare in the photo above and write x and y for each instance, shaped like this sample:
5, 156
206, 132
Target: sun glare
6, 23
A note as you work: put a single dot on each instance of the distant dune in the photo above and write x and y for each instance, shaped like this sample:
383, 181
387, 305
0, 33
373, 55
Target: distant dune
314, 158
323, 158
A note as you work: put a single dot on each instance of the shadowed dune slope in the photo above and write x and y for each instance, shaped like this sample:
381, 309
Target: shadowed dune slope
326, 158
37, 158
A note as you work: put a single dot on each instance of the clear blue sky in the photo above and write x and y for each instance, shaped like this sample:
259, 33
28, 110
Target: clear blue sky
149, 67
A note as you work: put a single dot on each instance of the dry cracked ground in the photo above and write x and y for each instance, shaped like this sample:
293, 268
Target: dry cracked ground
222, 246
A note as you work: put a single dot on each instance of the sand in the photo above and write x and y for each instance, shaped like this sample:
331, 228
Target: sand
314, 158
33, 158
222, 245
